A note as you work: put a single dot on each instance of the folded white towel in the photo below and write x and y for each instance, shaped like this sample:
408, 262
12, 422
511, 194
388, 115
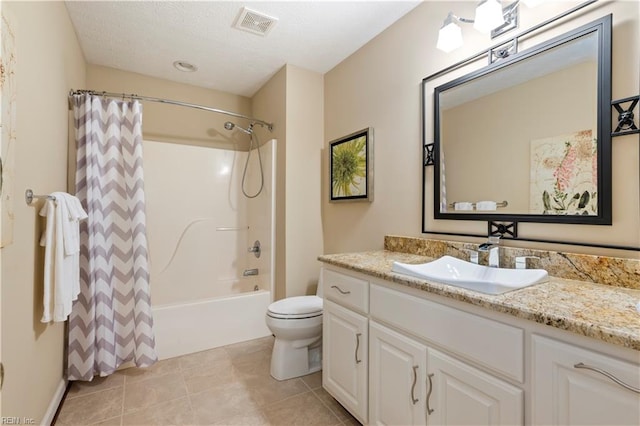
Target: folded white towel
486, 205
73, 212
61, 240
464, 205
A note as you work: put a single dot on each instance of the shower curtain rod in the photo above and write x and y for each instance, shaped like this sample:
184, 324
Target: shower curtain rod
171, 102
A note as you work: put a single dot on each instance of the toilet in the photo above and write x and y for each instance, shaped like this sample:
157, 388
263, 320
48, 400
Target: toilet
296, 323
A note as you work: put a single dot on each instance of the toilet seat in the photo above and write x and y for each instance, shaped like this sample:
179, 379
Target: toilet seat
298, 307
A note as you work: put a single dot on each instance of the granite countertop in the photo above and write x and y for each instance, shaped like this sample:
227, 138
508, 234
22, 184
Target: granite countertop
603, 312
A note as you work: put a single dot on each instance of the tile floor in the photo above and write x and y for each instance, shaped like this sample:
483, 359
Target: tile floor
223, 386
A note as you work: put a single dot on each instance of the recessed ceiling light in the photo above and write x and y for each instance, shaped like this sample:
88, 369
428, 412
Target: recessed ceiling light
184, 66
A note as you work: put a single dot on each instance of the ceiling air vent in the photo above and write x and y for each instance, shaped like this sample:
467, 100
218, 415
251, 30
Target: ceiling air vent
254, 22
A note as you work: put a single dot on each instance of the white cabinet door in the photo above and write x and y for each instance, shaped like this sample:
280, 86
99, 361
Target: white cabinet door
345, 358
566, 395
460, 394
396, 377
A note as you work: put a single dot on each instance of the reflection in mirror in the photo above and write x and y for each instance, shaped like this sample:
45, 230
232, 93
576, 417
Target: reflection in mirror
524, 140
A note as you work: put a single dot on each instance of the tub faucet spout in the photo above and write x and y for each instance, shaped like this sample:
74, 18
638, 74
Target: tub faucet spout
250, 272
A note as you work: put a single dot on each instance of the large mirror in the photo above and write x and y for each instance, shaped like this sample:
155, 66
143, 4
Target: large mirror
528, 138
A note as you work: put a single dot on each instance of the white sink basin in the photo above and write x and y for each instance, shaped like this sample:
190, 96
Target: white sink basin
460, 273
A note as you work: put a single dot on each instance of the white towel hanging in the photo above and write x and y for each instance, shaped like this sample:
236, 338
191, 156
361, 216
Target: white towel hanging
486, 205
61, 240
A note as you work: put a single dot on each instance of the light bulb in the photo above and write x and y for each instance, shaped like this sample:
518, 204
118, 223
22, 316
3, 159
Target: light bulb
488, 16
449, 37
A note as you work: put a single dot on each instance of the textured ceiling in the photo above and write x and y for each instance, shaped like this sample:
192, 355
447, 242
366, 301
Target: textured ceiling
146, 37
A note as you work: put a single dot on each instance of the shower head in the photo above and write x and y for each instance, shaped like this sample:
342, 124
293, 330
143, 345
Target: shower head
230, 126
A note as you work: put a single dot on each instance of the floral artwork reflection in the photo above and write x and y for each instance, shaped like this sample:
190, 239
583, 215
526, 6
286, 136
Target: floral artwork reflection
564, 175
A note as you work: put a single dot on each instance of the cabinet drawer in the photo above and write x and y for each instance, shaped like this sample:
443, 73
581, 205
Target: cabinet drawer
346, 290
489, 343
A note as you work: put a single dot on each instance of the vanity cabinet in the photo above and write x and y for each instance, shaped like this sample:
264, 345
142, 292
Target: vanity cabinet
412, 383
464, 395
394, 355
564, 394
397, 366
345, 345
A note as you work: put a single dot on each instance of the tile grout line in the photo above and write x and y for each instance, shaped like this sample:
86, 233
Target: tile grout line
327, 406
284, 399
82, 398
306, 384
186, 388
339, 422
89, 391
140, 409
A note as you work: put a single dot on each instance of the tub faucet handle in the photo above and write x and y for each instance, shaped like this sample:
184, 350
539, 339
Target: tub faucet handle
255, 249
473, 256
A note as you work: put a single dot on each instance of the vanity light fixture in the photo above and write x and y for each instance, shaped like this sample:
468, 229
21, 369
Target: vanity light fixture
490, 17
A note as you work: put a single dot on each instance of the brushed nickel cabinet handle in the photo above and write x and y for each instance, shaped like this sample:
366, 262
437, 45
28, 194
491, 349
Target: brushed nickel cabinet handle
608, 375
413, 386
429, 409
358, 361
341, 290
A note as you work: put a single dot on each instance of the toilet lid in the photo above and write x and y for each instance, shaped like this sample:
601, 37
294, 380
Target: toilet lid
297, 306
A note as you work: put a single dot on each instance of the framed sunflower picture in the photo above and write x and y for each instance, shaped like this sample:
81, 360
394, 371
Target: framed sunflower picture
351, 167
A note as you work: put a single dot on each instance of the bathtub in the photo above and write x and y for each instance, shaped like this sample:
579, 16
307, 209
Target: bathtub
189, 327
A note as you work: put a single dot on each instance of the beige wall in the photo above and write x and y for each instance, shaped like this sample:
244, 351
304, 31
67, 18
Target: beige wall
49, 63
305, 91
380, 86
293, 101
171, 123
269, 103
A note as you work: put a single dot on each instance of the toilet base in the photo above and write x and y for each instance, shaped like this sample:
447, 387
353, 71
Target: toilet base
289, 361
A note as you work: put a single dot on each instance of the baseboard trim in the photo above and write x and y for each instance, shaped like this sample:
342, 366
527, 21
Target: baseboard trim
50, 414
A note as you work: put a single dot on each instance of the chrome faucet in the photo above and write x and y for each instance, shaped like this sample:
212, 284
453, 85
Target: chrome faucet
493, 247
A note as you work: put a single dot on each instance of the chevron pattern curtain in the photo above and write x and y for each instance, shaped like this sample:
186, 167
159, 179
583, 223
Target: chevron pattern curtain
111, 321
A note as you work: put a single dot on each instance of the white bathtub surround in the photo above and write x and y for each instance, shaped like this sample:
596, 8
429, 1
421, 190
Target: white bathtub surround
199, 251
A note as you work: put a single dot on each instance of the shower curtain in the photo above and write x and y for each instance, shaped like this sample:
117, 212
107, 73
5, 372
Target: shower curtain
111, 321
